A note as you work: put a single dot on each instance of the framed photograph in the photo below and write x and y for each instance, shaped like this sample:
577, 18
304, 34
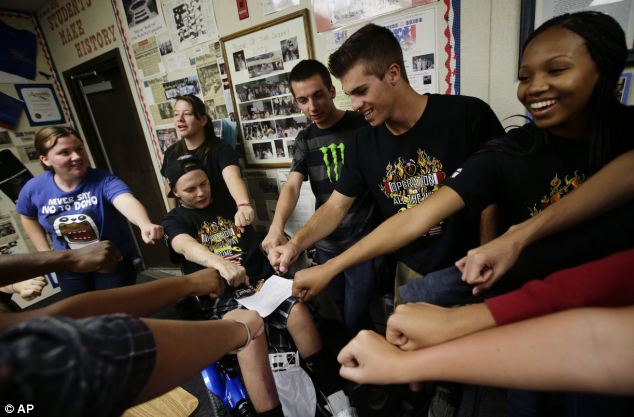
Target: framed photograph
623, 87
259, 61
536, 12
41, 104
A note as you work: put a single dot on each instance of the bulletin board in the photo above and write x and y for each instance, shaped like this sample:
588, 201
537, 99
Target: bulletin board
259, 61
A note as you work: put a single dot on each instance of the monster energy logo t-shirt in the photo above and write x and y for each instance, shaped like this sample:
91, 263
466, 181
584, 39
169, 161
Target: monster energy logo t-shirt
320, 155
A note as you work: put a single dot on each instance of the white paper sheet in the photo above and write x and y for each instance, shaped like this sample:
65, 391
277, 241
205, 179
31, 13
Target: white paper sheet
275, 290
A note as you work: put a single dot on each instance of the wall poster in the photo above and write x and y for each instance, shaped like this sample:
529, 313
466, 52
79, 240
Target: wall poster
259, 61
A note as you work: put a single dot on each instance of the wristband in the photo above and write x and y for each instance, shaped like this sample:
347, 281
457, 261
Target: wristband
244, 205
248, 338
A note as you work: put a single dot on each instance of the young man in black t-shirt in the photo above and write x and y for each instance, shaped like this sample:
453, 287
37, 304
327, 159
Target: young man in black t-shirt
320, 152
201, 237
412, 144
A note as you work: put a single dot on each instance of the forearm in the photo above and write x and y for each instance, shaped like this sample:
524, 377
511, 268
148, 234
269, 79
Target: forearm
400, 229
35, 233
140, 300
235, 184
611, 186
322, 223
184, 348
18, 267
132, 209
538, 354
197, 253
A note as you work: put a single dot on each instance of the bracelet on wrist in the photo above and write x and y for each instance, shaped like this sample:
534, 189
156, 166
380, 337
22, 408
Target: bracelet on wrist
248, 337
244, 205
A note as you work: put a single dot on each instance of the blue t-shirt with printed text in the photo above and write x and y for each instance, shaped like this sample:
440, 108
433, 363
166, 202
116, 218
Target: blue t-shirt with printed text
81, 216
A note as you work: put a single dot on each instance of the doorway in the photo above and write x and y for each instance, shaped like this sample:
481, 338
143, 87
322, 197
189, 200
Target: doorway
105, 108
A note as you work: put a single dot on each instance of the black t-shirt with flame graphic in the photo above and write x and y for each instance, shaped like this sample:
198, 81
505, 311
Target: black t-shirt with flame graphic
401, 171
220, 235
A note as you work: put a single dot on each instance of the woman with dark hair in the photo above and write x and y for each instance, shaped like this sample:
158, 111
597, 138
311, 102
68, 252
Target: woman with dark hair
193, 124
77, 205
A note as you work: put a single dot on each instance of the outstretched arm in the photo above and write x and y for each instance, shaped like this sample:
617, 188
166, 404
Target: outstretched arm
35, 232
141, 299
183, 348
538, 354
613, 185
193, 251
392, 234
283, 209
238, 190
100, 256
322, 223
134, 211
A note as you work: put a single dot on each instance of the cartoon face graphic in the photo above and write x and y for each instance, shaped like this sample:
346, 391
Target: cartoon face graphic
77, 229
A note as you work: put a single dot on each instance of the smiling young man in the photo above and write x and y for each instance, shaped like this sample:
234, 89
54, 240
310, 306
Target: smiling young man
319, 158
414, 142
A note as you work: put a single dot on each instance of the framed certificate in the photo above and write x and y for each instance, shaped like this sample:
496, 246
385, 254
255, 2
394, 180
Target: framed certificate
41, 104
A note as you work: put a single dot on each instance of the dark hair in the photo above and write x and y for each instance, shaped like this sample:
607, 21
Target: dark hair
47, 137
200, 111
306, 69
605, 42
375, 45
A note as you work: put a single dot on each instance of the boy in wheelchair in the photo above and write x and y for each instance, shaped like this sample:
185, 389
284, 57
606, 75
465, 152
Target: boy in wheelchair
200, 237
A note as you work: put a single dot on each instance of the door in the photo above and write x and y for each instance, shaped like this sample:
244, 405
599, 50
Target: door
101, 94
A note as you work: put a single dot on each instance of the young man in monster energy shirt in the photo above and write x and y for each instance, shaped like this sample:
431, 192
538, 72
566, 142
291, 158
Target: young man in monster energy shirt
320, 153
412, 144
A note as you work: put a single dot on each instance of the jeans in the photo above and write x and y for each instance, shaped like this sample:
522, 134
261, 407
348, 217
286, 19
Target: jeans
352, 292
443, 288
72, 283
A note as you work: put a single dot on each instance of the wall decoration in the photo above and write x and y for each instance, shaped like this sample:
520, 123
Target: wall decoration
259, 61
623, 87
336, 14
40, 101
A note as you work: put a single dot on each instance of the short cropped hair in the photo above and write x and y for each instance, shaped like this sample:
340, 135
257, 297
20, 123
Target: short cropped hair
306, 69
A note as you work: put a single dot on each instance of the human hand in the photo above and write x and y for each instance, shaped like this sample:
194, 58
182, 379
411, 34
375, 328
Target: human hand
281, 257
150, 232
273, 239
251, 318
483, 266
31, 288
244, 217
370, 359
233, 273
418, 325
100, 257
309, 282
206, 282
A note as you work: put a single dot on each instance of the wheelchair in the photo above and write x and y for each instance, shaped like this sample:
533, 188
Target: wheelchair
223, 379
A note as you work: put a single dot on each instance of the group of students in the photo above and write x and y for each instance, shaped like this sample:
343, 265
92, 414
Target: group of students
444, 178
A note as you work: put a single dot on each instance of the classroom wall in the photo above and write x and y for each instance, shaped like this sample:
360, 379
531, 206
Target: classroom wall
20, 136
488, 50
